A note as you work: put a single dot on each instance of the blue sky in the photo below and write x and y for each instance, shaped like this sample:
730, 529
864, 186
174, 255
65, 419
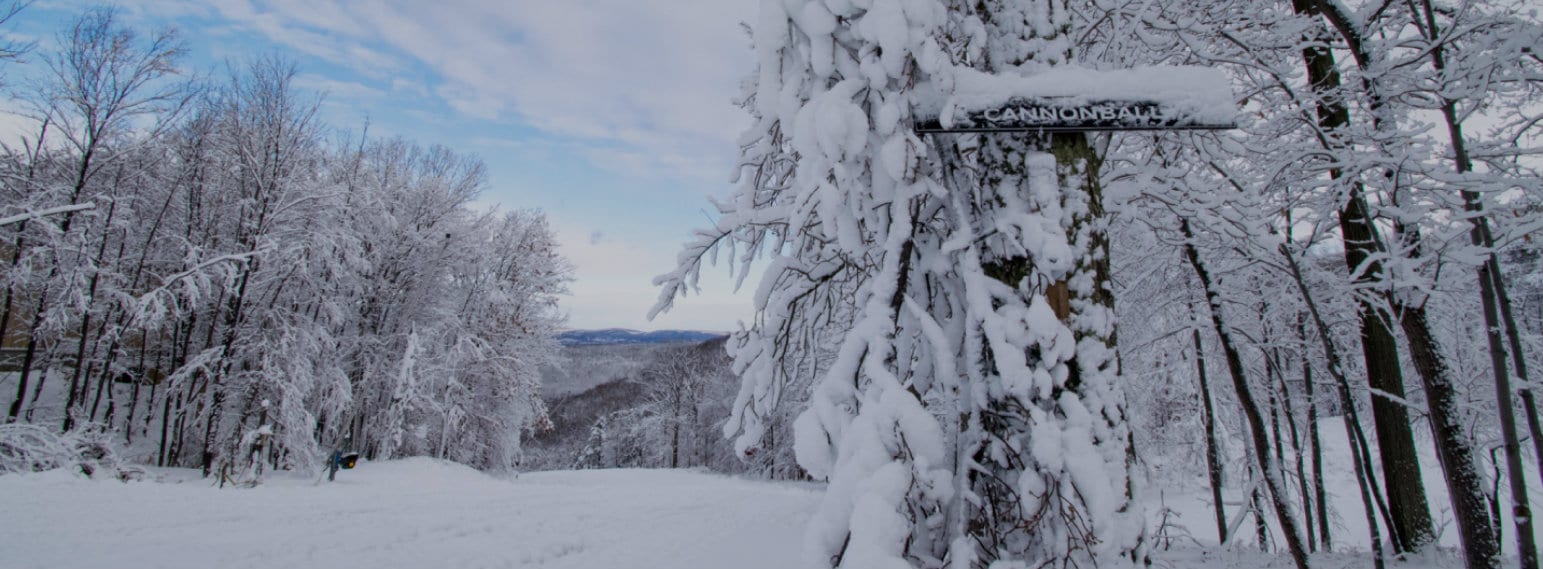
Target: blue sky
613, 116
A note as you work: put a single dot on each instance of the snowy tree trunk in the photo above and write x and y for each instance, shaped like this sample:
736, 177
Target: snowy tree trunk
1268, 467
1213, 461
1464, 480
1395, 436
1314, 442
1300, 461
1491, 291
1356, 439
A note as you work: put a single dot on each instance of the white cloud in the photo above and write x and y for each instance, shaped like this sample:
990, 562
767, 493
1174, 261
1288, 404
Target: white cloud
637, 87
652, 77
16, 126
400, 85
334, 88
613, 286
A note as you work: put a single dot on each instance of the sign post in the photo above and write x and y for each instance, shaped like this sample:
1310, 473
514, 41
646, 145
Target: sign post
1069, 115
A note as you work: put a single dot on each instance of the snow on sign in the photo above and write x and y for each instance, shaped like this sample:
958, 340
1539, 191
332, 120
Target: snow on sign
1073, 99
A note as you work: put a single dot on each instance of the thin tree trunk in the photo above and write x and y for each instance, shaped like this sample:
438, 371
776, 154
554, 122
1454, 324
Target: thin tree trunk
217, 402
1267, 466
1494, 495
1314, 442
1518, 356
1275, 430
5, 324
162, 358
1213, 461
160, 457
27, 360
1296, 445
1366, 486
85, 325
1256, 503
128, 418
128, 421
45, 371
675, 426
5, 317
1274, 397
1521, 514
1360, 456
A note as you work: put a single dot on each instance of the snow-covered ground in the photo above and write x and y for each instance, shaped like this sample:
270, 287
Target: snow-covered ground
406, 513
425, 513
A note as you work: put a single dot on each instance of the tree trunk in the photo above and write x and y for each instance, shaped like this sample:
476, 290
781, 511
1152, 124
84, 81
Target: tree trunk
27, 360
1256, 503
1480, 547
75, 399
1491, 287
1521, 514
1359, 455
5, 324
675, 425
233, 321
160, 455
1213, 461
1315, 443
1267, 466
1518, 356
128, 419
1412, 529
1296, 446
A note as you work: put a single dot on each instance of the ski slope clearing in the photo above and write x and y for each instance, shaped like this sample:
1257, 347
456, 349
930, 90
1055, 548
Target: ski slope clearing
425, 513
406, 513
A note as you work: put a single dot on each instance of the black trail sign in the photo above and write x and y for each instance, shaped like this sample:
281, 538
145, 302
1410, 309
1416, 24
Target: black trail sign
1050, 115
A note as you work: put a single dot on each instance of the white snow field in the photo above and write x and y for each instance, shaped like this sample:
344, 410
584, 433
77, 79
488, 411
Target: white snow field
425, 513
406, 513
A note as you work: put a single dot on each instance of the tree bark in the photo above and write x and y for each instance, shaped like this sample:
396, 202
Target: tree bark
1213, 461
1491, 289
1412, 529
1359, 455
1480, 547
1267, 466
1315, 443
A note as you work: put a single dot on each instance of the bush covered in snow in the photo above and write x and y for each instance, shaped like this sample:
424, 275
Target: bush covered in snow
33, 448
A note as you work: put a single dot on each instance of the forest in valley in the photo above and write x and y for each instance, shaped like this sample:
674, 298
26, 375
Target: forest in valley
985, 349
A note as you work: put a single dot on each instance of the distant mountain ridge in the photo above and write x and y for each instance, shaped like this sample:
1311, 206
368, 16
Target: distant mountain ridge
612, 336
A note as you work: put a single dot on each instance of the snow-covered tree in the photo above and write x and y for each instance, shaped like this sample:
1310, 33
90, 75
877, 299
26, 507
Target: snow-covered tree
199, 271
971, 413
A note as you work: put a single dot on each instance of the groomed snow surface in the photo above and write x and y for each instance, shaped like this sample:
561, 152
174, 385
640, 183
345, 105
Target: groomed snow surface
405, 513
431, 514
